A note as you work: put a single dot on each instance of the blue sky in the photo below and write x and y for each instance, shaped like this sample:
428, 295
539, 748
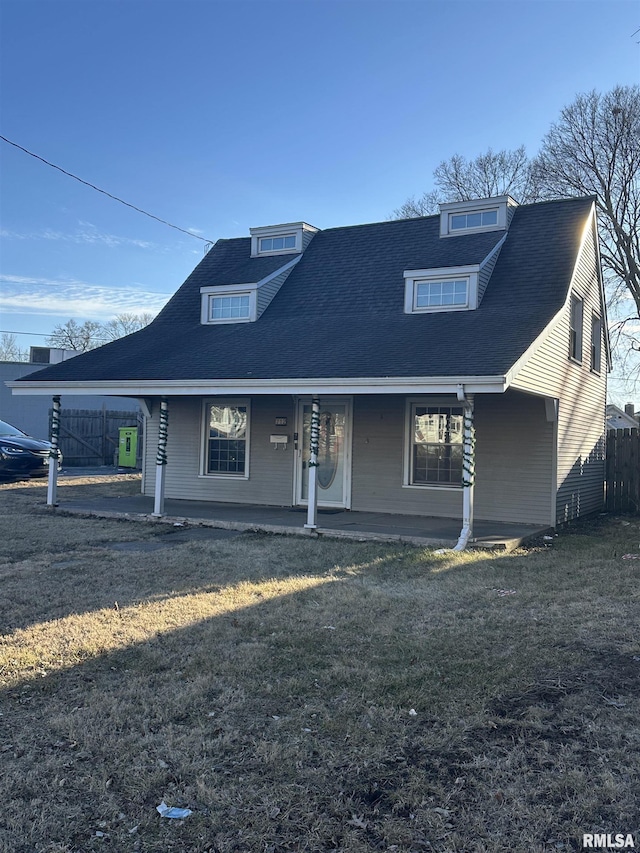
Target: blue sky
220, 116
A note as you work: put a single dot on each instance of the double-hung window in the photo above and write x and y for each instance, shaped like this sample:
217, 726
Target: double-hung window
226, 438
575, 328
435, 445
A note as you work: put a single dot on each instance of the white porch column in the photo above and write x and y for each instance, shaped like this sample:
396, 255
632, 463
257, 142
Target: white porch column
52, 486
314, 439
468, 475
161, 459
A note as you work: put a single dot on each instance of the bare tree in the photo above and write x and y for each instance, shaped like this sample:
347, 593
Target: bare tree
125, 324
594, 149
490, 174
77, 336
10, 349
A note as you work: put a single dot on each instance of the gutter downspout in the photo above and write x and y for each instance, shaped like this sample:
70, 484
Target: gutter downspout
468, 470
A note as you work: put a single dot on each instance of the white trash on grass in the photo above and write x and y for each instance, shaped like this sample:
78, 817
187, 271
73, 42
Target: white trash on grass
172, 811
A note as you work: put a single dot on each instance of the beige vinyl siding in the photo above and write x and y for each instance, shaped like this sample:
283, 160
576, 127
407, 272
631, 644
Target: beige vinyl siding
378, 463
514, 459
270, 471
581, 393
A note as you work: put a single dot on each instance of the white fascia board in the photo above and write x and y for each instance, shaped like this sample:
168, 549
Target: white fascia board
279, 271
494, 251
449, 272
196, 387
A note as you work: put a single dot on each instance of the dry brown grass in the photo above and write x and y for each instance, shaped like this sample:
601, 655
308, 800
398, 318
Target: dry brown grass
269, 683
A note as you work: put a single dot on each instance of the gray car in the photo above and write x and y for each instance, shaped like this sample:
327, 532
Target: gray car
22, 456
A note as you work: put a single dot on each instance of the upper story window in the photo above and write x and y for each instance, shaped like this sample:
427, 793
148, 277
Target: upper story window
277, 244
476, 219
452, 292
483, 214
235, 307
225, 304
445, 289
575, 328
285, 239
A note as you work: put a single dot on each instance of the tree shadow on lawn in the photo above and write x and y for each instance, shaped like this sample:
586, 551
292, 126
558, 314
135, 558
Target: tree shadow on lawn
285, 723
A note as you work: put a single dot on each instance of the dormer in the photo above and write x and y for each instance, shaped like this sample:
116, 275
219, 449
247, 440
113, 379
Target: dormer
476, 216
288, 239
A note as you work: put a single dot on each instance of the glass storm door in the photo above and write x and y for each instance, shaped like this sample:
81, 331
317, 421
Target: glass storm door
333, 455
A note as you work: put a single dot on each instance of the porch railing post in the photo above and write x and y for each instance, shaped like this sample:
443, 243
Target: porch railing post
161, 459
468, 475
52, 485
314, 440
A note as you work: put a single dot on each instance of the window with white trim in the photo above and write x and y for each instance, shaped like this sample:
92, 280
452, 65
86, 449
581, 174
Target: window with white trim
596, 343
236, 306
452, 292
226, 438
435, 445
575, 328
277, 244
473, 219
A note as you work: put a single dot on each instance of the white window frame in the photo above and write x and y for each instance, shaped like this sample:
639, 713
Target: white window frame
467, 213
576, 328
410, 405
289, 229
284, 250
208, 294
500, 204
231, 402
413, 278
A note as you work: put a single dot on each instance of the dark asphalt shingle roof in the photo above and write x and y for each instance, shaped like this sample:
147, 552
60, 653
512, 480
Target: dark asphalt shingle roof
340, 313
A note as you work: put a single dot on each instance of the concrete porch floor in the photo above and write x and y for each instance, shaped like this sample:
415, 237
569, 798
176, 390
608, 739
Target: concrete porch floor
419, 530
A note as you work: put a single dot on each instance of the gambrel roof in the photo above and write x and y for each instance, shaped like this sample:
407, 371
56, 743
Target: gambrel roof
340, 311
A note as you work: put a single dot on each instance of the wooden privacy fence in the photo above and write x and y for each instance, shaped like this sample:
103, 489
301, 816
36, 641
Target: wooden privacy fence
90, 436
622, 486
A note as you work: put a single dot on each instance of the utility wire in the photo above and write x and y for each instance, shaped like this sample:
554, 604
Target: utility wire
104, 192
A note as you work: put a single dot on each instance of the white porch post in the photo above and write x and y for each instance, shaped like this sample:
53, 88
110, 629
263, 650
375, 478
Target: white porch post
314, 439
468, 475
52, 486
161, 459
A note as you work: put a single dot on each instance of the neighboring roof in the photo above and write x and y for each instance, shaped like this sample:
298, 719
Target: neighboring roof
340, 313
619, 419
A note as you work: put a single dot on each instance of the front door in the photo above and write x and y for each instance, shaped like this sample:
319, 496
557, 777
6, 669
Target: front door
334, 453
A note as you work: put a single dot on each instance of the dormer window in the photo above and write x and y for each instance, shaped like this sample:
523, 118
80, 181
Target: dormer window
470, 217
287, 239
477, 219
445, 289
277, 244
436, 294
235, 307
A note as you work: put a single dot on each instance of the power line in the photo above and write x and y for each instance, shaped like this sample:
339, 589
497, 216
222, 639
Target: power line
104, 192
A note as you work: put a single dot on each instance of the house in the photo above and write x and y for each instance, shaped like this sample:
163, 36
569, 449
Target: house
619, 419
451, 365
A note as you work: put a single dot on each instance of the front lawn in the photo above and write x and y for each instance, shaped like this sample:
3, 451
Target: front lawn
302, 695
